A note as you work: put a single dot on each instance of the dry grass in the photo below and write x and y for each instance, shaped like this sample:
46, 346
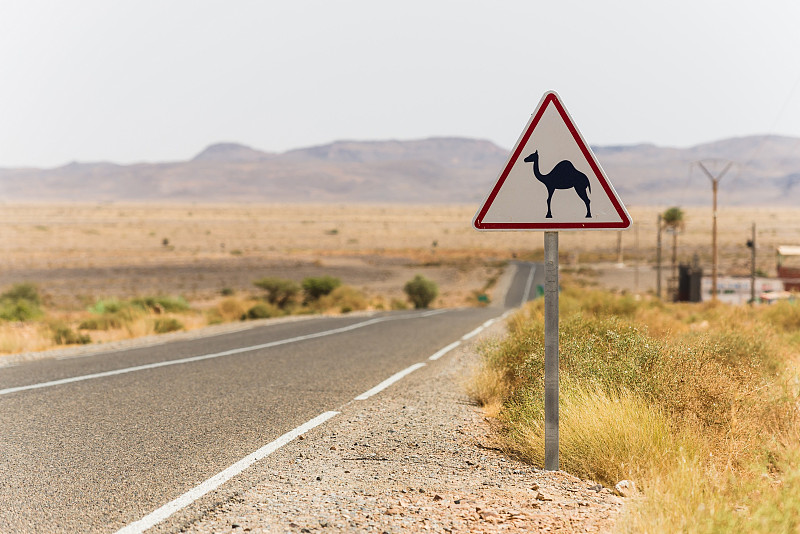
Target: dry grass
701, 411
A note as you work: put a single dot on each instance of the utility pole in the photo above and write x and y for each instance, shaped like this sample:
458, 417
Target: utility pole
752, 244
635, 257
715, 185
658, 259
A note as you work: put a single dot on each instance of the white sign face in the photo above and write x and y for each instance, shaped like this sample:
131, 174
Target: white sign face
552, 181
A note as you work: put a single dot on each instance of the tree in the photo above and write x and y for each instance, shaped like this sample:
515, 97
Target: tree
421, 291
280, 292
319, 286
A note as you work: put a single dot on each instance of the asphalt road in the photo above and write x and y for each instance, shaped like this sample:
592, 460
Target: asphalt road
97, 443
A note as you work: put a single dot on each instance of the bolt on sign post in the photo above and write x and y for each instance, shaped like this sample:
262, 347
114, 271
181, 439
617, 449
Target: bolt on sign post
551, 182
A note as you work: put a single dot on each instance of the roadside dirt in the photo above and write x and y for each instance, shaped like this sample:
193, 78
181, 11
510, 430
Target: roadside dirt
419, 457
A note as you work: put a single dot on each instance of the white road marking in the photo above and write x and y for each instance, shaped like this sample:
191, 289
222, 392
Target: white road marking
389, 381
220, 478
216, 354
441, 352
472, 334
433, 312
526, 294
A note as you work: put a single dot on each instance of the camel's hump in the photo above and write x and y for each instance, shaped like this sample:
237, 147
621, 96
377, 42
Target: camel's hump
564, 165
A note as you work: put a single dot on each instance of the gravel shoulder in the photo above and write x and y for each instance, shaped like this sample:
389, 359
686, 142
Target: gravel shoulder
418, 457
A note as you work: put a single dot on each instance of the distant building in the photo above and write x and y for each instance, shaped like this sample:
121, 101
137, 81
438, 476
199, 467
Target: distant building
735, 290
789, 267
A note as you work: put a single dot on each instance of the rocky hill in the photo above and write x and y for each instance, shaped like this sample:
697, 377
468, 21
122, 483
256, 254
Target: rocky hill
437, 170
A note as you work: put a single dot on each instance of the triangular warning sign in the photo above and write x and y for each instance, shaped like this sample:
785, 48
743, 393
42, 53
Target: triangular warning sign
552, 181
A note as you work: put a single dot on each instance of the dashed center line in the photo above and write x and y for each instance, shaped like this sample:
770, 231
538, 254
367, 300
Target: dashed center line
441, 352
389, 381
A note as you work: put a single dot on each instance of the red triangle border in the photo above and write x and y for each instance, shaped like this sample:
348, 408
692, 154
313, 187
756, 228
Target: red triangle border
552, 98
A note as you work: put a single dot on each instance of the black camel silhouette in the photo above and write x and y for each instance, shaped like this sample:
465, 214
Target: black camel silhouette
563, 176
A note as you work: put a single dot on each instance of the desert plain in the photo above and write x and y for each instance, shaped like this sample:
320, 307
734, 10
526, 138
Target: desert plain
78, 253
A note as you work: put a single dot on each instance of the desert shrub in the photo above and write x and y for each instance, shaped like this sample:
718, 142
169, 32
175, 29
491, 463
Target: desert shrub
227, 292
345, 298
421, 291
280, 292
703, 420
20, 310
167, 324
398, 304
24, 291
161, 304
158, 304
114, 313
784, 315
111, 305
597, 302
262, 311
706, 379
603, 436
111, 314
64, 335
104, 322
20, 303
319, 286
229, 309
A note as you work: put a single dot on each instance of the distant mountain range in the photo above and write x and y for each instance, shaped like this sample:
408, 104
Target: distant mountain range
766, 171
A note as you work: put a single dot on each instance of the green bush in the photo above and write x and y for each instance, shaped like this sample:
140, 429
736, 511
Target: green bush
20, 303
116, 313
262, 311
167, 324
24, 291
112, 305
316, 287
280, 292
421, 291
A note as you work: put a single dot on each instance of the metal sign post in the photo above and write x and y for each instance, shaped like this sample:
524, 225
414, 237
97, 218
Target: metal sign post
551, 351
551, 158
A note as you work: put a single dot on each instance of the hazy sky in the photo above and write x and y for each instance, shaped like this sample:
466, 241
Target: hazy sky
159, 80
